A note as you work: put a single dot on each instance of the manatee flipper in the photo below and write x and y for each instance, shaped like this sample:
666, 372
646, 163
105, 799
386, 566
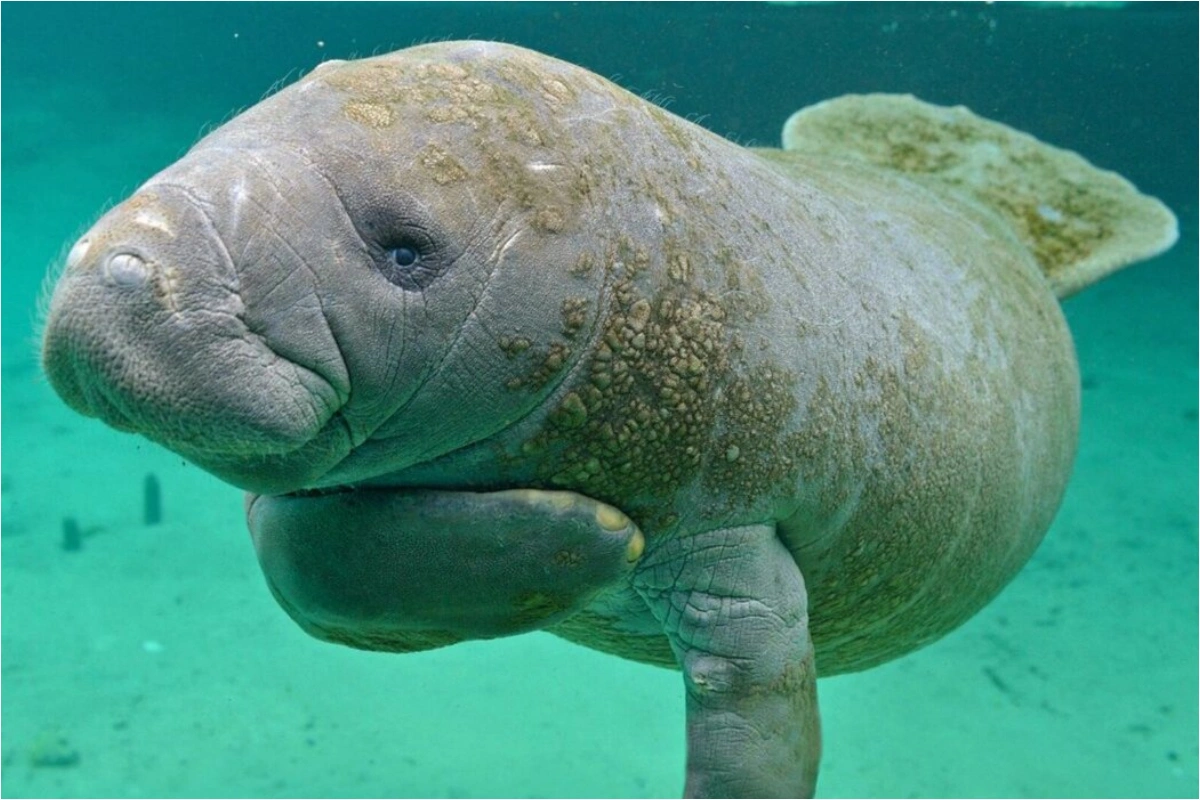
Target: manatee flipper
405, 570
734, 605
1079, 222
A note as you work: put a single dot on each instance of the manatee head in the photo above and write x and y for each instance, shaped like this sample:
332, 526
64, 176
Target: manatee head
382, 263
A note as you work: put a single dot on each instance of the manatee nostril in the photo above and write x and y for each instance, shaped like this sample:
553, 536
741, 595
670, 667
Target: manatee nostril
125, 269
78, 252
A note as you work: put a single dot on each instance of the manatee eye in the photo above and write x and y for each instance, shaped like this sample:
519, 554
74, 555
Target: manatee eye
412, 263
403, 256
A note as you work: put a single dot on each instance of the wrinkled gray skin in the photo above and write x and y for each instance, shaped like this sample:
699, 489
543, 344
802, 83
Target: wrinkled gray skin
840, 409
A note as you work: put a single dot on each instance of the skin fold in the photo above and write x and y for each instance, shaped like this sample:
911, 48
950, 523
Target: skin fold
494, 346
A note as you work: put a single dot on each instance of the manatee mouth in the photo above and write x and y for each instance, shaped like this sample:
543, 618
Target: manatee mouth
97, 403
225, 403
324, 491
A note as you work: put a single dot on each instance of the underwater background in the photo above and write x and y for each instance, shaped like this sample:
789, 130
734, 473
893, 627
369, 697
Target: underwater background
149, 660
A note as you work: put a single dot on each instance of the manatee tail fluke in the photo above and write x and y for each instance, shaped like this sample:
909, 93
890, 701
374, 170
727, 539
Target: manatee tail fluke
1080, 222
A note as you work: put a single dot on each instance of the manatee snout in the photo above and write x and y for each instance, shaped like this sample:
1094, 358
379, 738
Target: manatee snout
147, 330
122, 284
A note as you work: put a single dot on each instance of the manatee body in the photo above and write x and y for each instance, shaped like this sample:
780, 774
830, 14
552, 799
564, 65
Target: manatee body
495, 345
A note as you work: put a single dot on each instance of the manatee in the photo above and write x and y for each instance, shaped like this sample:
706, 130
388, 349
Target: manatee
496, 346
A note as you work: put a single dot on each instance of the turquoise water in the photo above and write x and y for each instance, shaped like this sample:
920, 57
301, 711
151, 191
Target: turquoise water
151, 661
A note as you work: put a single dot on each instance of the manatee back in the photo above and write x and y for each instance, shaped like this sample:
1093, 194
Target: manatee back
938, 424
917, 433
943, 458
